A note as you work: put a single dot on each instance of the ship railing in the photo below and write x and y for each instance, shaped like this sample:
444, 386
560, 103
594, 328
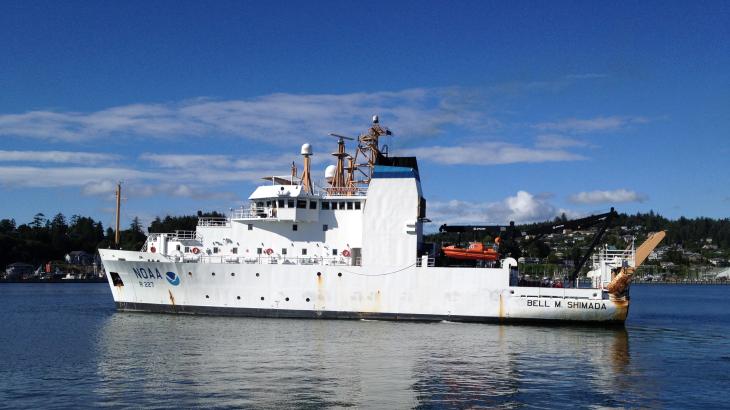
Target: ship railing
171, 236
214, 221
425, 260
274, 260
252, 212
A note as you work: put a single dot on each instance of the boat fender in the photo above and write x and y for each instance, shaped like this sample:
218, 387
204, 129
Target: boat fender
346, 253
269, 251
152, 249
196, 251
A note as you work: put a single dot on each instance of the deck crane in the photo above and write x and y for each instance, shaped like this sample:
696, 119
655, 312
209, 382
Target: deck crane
508, 234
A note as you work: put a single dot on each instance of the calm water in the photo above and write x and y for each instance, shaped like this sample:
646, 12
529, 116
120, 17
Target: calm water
64, 345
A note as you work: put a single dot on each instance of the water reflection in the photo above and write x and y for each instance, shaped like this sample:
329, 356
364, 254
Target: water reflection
207, 361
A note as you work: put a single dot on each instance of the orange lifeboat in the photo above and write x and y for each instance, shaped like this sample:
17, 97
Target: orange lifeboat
475, 252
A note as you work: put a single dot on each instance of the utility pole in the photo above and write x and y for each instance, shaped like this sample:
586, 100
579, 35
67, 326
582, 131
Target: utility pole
119, 202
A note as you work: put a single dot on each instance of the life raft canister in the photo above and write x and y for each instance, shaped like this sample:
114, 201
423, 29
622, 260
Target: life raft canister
152, 249
196, 251
346, 253
269, 251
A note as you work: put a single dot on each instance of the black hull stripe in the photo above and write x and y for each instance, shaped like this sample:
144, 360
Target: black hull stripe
329, 314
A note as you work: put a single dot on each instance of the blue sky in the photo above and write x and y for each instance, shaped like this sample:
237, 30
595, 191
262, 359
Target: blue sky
517, 110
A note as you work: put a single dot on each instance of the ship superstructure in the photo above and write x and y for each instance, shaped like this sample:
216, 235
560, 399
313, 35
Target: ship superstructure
352, 248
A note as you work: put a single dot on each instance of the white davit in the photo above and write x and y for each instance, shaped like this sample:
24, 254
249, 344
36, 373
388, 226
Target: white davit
352, 248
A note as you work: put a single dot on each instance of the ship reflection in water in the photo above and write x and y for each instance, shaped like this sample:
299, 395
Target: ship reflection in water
233, 362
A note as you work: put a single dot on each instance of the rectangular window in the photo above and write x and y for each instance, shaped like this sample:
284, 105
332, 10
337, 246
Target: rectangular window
349, 204
301, 203
357, 205
250, 227
290, 203
294, 227
259, 251
334, 252
215, 249
283, 251
268, 204
325, 227
177, 247
259, 204
234, 251
281, 203
187, 249
312, 204
325, 205
304, 251
342, 205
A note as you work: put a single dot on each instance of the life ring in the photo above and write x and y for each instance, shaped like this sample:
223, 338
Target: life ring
152, 249
196, 251
346, 253
269, 251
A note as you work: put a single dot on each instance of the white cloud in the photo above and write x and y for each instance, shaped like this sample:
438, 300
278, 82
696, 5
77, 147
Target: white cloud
492, 153
597, 124
601, 197
67, 157
554, 141
274, 119
523, 207
38, 177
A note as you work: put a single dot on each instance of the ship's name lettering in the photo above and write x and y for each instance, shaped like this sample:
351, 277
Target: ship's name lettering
143, 273
570, 304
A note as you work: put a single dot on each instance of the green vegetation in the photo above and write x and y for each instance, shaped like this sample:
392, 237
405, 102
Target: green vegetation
689, 242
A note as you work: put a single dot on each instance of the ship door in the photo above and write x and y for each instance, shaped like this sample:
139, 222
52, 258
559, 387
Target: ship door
356, 257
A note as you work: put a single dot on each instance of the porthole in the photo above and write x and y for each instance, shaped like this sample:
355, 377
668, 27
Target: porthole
287, 299
262, 298
233, 273
238, 297
339, 274
257, 274
206, 296
319, 273
212, 273
307, 299
511, 292
190, 273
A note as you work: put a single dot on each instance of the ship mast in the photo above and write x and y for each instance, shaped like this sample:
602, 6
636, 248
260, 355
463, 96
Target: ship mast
368, 149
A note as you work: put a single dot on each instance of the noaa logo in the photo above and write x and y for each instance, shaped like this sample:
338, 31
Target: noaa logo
172, 278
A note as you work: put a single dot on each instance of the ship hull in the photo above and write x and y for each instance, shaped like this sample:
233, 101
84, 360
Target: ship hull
146, 282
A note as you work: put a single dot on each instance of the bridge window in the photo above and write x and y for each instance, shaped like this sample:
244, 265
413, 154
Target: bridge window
290, 203
349, 204
215, 249
304, 251
301, 203
342, 205
259, 204
325, 205
268, 204
259, 251
234, 250
283, 251
357, 205
312, 204
334, 252
325, 227
250, 228
187, 249
281, 203
177, 247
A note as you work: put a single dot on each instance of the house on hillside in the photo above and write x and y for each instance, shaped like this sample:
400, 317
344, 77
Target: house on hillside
80, 258
18, 270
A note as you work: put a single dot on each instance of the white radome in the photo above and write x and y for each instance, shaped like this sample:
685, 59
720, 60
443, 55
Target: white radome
306, 149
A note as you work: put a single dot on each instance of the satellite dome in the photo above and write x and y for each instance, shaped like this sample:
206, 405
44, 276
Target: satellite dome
306, 149
329, 172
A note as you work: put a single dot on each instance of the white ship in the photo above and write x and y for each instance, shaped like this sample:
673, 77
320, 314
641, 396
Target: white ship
351, 249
